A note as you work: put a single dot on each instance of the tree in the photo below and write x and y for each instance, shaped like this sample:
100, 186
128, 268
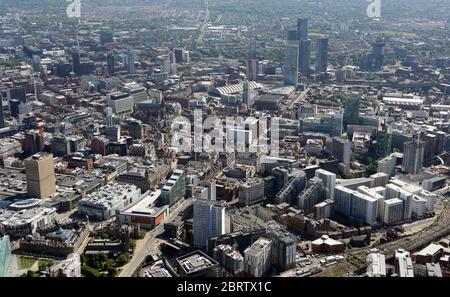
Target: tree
123, 259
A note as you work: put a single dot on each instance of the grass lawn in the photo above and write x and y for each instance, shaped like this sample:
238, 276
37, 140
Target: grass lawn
25, 262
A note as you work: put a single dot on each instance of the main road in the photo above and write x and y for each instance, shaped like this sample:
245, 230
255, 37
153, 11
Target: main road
149, 244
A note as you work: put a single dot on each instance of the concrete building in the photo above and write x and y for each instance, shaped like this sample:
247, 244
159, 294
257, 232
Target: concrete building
305, 56
413, 154
324, 210
325, 245
131, 62
197, 264
376, 265
25, 220
209, 217
342, 150
380, 179
109, 200
395, 191
356, 205
291, 65
393, 211
251, 191
351, 109
144, 213
322, 55
41, 180
330, 123
258, 257
329, 181
434, 183
5, 255
230, 259
284, 250
175, 188
403, 263
121, 103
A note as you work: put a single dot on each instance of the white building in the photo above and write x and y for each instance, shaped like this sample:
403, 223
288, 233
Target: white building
394, 191
109, 200
209, 217
376, 265
393, 211
121, 103
258, 257
251, 191
387, 165
329, 180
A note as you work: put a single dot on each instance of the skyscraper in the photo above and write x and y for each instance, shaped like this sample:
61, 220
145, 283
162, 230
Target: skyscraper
111, 63
131, 60
328, 179
291, 65
305, 56
2, 115
351, 109
209, 216
342, 149
252, 70
252, 62
76, 63
302, 29
322, 55
413, 152
292, 35
41, 181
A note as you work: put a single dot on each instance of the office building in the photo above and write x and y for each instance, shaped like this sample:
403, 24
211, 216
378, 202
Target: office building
229, 258
197, 264
434, 183
251, 191
175, 188
329, 123
110, 61
324, 209
131, 62
329, 181
109, 200
209, 217
322, 55
351, 109
393, 211
2, 114
413, 154
292, 35
5, 255
302, 29
258, 257
284, 250
291, 65
76, 61
394, 191
41, 181
314, 193
342, 150
121, 103
304, 63
356, 205
387, 165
